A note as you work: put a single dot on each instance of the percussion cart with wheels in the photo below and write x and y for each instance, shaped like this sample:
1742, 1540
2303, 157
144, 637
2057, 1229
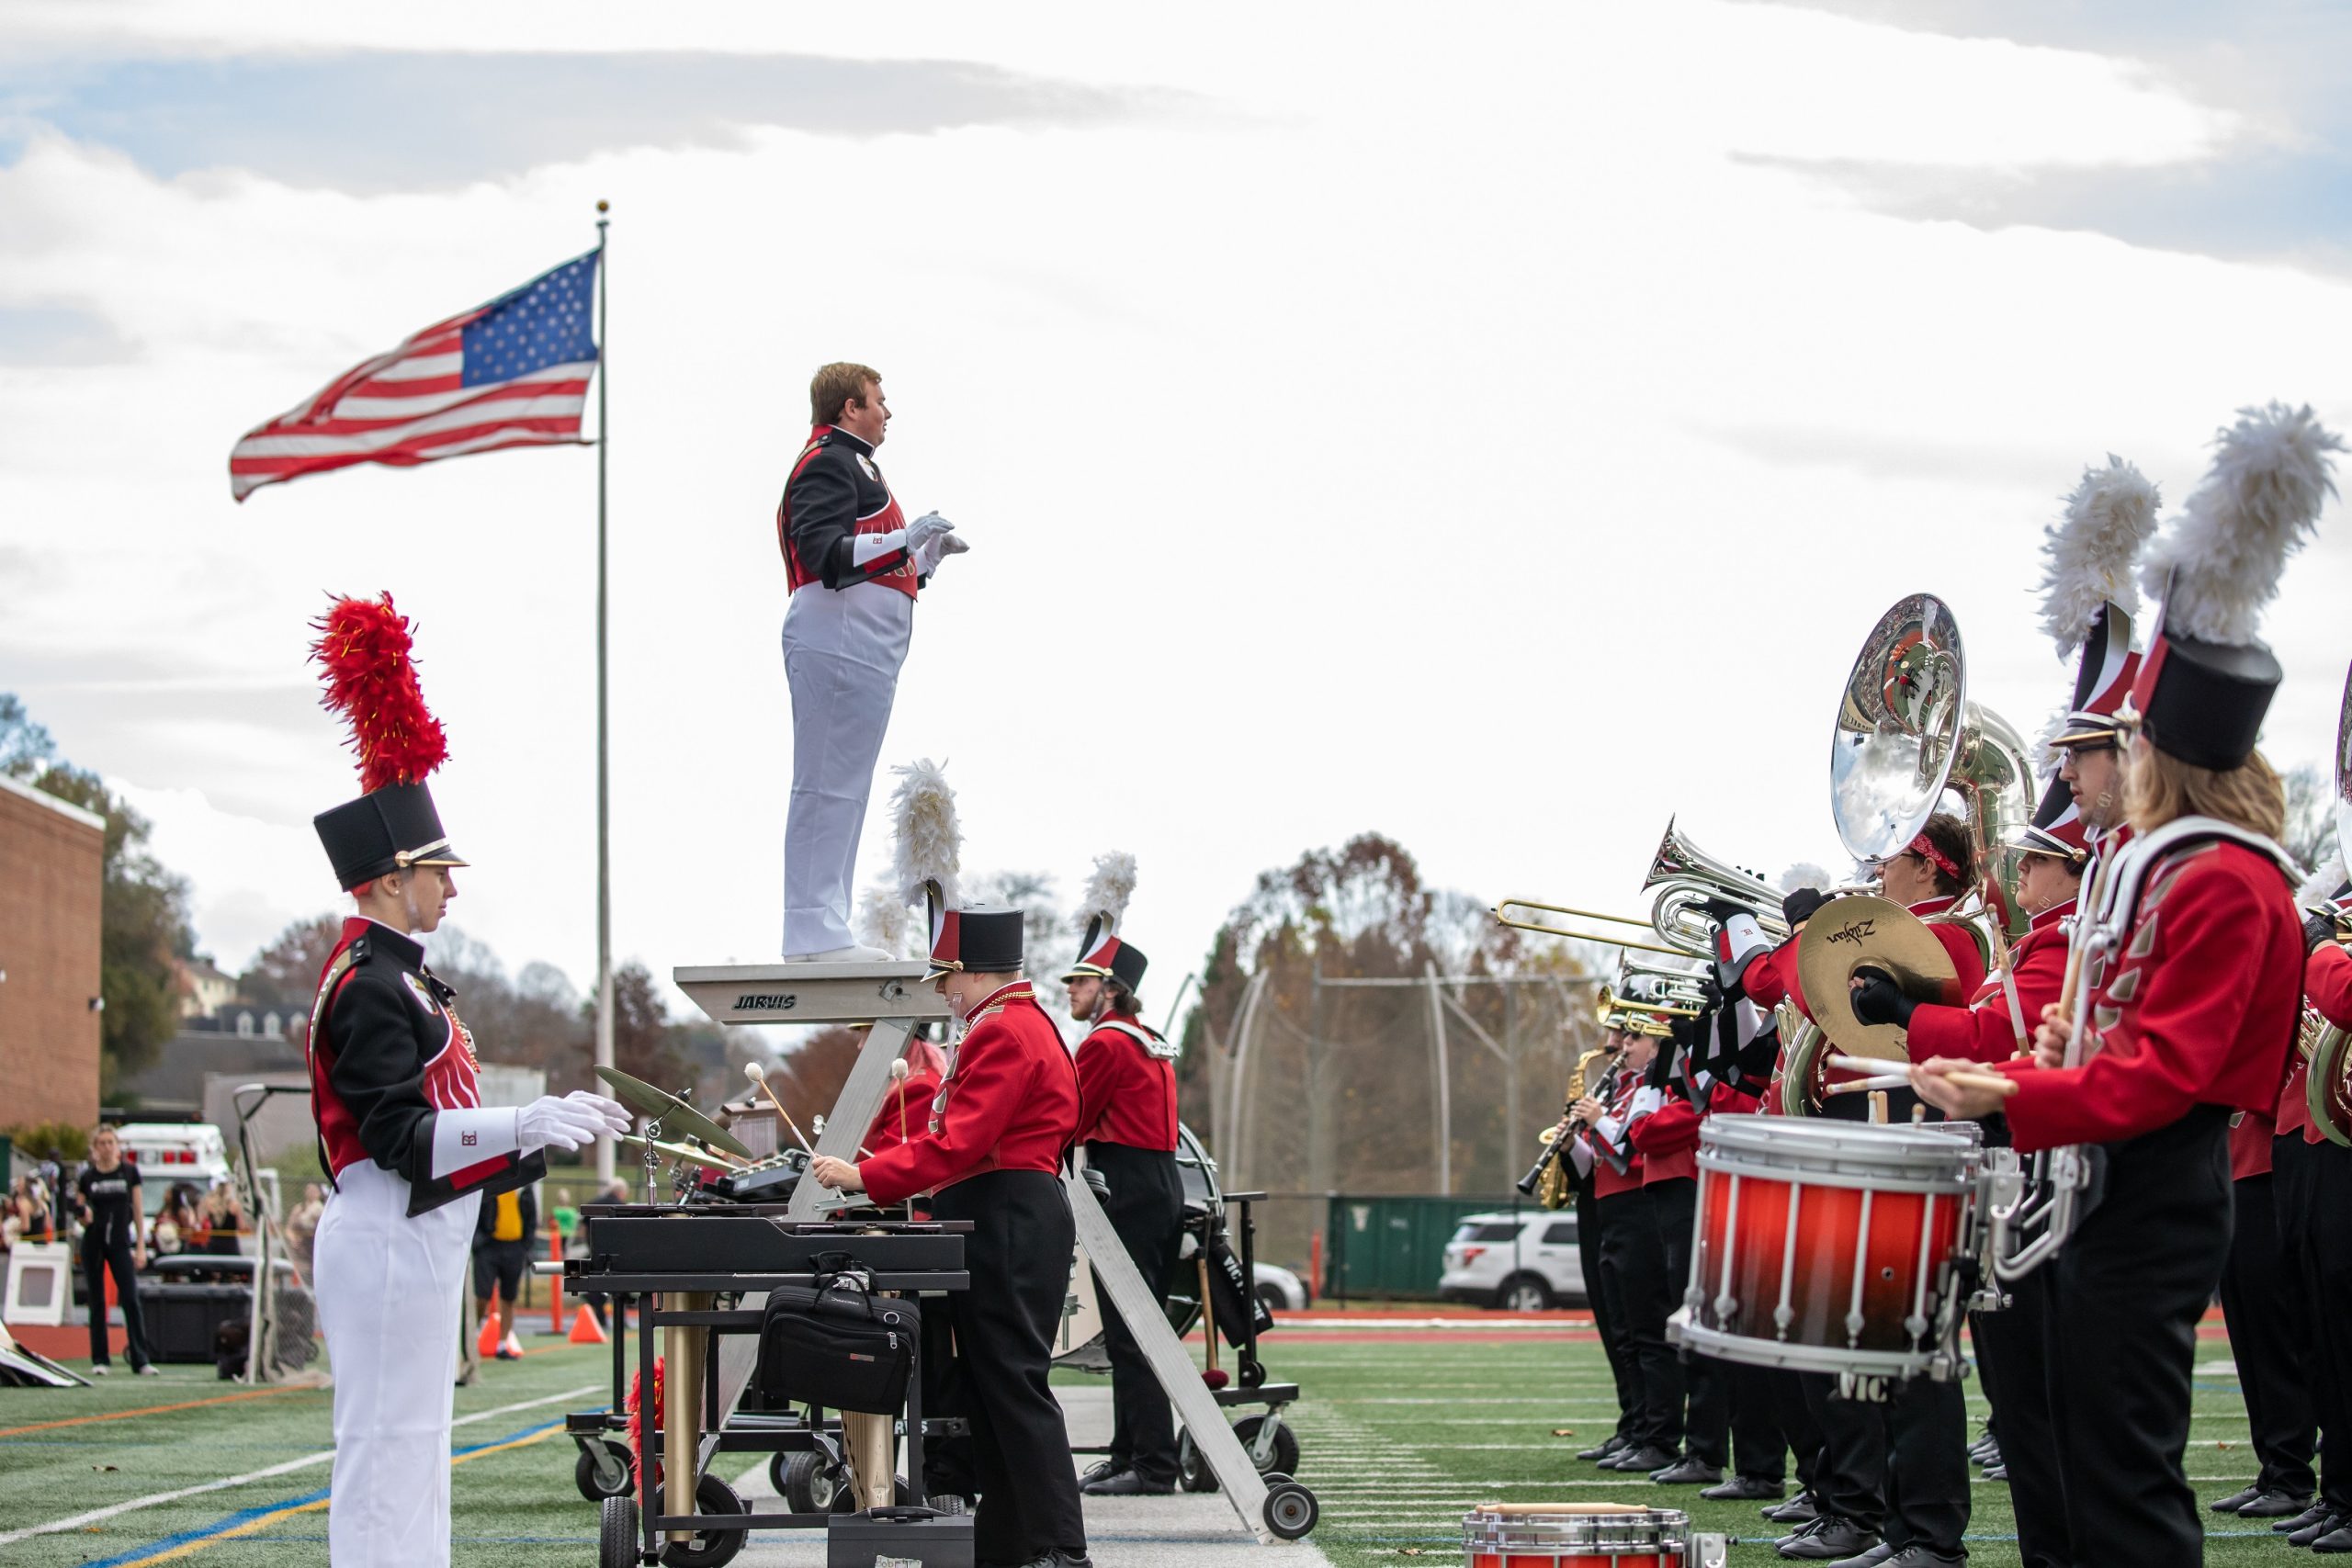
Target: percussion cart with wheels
699, 1276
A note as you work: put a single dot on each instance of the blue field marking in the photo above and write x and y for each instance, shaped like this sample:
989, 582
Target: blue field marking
244, 1516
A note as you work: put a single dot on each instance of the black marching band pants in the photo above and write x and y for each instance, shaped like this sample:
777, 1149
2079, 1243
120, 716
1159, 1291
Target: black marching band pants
1606, 1320
102, 1251
2129, 1288
2263, 1323
2013, 1361
1712, 1414
2313, 1186
1018, 1254
1146, 1208
1636, 1272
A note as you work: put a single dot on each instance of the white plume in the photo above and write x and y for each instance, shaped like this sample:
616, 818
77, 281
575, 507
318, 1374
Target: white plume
1108, 889
929, 844
1804, 874
2088, 554
2042, 755
2224, 550
2325, 878
882, 919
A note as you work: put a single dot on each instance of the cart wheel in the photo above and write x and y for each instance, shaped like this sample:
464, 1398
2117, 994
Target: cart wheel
800, 1479
1285, 1460
616, 1534
605, 1470
1192, 1471
1253, 1371
1290, 1508
706, 1548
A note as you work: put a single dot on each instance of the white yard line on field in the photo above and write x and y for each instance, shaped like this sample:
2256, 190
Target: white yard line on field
305, 1462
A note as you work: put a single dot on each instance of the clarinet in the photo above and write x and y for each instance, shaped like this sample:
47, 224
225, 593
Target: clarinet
1553, 1151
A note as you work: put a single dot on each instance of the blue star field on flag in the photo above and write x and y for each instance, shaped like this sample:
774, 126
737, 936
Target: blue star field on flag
546, 322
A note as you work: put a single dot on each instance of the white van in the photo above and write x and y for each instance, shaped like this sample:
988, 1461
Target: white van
168, 1153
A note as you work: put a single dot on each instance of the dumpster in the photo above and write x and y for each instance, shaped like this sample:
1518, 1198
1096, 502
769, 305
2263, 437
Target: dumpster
1393, 1246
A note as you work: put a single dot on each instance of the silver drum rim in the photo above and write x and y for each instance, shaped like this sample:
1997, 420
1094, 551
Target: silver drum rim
1842, 1154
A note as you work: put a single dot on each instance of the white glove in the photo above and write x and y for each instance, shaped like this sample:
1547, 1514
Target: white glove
557, 1123
936, 548
924, 529
618, 1118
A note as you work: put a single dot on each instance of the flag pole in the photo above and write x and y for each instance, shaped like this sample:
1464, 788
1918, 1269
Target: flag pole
604, 764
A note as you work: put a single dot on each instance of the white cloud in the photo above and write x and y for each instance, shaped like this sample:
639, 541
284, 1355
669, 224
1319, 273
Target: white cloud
1380, 436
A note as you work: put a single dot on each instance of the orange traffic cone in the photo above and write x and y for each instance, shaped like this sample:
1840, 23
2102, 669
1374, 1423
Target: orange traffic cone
585, 1329
486, 1345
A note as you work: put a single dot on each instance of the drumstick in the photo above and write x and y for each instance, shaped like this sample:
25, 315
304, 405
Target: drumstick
1869, 1067
1857, 1086
898, 1077
1995, 1082
759, 1075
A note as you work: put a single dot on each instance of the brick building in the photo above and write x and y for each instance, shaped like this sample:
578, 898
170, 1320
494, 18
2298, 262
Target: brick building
51, 881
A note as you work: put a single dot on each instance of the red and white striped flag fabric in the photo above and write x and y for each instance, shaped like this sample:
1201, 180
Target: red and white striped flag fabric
512, 372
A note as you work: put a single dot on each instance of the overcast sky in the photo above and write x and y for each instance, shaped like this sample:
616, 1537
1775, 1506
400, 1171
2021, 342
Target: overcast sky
1500, 435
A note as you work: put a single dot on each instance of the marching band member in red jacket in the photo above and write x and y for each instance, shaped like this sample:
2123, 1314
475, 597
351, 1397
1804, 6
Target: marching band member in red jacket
1127, 1119
408, 1145
991, 1154
1634, 1258
2189, 1008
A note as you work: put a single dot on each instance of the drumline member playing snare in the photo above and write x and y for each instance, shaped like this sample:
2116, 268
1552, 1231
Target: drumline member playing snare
2189, 1008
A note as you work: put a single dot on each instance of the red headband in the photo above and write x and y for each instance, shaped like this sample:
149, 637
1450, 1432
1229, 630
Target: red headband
1926, 850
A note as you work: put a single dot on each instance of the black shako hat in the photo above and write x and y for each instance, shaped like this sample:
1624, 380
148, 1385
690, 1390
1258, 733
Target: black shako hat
1106, 957
2204, 702
978, 941
385, 830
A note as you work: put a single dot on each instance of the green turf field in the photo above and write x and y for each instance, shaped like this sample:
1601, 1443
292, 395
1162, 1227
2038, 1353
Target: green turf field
1397, 1437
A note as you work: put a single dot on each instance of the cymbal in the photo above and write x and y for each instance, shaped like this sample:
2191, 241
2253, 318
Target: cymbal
1859, 932
679, 1151
674, 1115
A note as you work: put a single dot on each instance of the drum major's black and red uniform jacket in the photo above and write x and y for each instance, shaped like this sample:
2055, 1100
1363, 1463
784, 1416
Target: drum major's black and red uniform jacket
386, 1054
2198, 1006
1008, 1103
1126, 1090
836, 494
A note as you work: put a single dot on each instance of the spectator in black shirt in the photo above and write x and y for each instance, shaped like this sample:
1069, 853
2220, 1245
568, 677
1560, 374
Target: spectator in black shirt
107, 1192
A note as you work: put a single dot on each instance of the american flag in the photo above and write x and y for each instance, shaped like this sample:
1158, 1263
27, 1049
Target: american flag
512, 372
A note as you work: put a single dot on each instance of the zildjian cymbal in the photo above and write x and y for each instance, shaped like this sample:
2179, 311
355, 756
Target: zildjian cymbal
680, 1151
674, 1115
1859, 932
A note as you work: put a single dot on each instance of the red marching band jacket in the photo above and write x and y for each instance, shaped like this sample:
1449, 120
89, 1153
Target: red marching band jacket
1126, 1091
2198, 1006
386, 1053
1010, 1104
907, 1106
1984, 1031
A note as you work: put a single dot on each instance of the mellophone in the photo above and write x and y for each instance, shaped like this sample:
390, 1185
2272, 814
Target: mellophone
1585, 1535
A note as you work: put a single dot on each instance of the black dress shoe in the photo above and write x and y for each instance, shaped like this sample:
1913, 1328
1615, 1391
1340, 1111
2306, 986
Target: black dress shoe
1646, 1458
1826, 1539
2328, 1525
1996, 1471
1800, 1509
1870, 1559
1919, 1555
2335, 1540
1745, 1489
2310, 1516
2235, 1500
1687, 1473
2270, 1504
1103, 1470
1615, 1444
1127, 1483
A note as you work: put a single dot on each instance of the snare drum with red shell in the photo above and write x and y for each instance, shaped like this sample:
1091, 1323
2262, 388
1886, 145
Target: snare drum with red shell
1584, 1535
1832, 1247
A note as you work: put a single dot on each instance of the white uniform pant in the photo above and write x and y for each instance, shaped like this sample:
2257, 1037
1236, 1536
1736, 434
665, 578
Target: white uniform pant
841, 655
389, 1290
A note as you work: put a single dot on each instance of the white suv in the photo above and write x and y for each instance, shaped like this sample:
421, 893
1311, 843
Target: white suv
1522, 1262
